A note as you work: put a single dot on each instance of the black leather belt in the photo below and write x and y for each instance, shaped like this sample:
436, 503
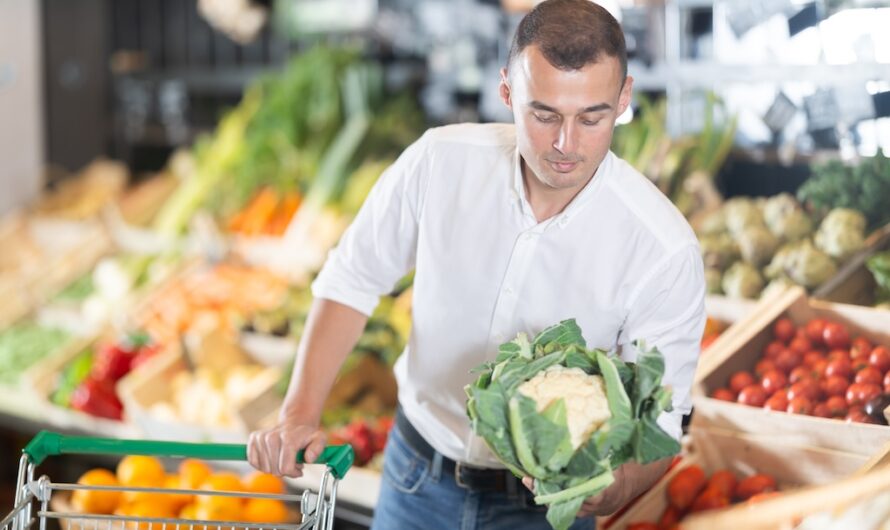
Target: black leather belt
469, 477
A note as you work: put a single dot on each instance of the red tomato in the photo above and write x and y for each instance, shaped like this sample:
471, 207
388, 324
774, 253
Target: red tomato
887, 382
869, 374
754, 485
800, 405
800, 344
670, 517
799, 373
784, 330
836, 335
819, 368
753, 396
857, 415
773, 349
685, 486
763, 366
859, 394
821, 410
860, 363
838, 354
808, 388
777, 402
834, 385
710, 499
789, 360
880, 358
723, 481
724, 394
814, 329
812, 357
773, 381
860, 347
837, 405
839, 367
740, 380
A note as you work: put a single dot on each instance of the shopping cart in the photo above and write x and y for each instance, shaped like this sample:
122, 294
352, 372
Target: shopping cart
317, 509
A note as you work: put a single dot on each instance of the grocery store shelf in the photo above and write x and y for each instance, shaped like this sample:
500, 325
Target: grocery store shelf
695, 74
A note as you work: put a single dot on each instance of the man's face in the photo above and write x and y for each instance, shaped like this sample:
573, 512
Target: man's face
564, 119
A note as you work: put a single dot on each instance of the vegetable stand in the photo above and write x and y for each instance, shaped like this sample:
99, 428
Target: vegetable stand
317, 509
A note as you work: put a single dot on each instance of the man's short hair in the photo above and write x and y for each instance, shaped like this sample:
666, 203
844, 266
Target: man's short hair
571, 34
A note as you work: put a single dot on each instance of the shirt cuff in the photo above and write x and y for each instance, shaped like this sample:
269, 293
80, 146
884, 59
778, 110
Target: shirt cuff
324, 287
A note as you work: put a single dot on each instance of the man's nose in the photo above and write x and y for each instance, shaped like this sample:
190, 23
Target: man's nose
565, 143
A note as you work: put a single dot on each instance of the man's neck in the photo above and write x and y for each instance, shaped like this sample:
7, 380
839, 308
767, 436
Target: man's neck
547, 202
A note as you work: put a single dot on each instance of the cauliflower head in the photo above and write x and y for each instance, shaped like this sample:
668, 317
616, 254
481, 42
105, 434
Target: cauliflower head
587, 407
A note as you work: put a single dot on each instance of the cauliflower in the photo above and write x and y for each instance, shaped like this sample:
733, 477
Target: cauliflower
718, 251
786, 219
741, 213
742, 281
585, 397
757, 245
842, 233
803, 263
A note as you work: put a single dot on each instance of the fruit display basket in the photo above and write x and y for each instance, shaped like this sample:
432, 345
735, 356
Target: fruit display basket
750, 457
747, 351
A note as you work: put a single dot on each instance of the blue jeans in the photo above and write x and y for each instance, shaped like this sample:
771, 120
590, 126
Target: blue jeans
416, 494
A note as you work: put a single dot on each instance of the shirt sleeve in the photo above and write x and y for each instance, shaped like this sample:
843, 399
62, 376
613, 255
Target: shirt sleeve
379, 247
668, 311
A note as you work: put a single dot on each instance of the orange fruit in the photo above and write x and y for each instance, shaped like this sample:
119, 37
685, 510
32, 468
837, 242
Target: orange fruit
140, 469
177, 500
229, 510
267, 511
217, 507
165, 502
94, 501
193, 473
147, 508
259, 482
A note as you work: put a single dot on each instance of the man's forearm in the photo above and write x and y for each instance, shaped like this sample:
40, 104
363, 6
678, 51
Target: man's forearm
331, 332
641, 477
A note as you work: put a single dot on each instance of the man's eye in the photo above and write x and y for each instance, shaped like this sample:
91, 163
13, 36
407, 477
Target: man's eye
590, 123
545, 119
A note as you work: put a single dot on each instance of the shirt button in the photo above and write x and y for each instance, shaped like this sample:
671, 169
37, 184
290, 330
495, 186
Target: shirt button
509, 290
527, 237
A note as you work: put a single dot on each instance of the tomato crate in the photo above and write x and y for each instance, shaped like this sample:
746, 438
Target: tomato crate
711, 449
746, 349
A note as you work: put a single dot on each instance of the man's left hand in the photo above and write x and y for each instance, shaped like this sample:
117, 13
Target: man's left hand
631, 480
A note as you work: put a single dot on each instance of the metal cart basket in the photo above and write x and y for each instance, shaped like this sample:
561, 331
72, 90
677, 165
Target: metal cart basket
32, 500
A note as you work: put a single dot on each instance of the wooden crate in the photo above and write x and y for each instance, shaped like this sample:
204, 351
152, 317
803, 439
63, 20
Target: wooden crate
784, 512
741, 352
713, 449
854, 283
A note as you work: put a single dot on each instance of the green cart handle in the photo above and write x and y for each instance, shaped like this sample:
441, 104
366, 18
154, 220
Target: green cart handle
338, 458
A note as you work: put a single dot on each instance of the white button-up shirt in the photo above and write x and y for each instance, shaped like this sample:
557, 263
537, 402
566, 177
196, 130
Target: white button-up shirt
620, 259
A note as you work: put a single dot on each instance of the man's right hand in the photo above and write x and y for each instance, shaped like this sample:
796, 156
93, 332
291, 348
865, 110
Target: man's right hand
274, 450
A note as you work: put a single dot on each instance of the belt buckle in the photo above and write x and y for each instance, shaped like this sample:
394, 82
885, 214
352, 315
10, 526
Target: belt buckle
457, 476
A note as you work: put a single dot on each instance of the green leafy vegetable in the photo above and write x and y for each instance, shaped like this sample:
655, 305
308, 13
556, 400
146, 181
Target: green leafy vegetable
863, 187
879, 265
551, 409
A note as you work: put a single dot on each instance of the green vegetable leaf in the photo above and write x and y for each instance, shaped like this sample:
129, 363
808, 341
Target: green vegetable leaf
561, 515
651, 443
648, 369
565, 333
619, 402
553, 446
520, 418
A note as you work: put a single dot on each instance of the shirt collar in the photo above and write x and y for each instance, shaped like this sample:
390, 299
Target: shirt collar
517, 193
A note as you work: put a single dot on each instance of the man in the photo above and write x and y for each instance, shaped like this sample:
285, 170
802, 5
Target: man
511, 228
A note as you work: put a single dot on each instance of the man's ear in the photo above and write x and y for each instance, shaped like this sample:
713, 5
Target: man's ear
625, 96
504, 89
